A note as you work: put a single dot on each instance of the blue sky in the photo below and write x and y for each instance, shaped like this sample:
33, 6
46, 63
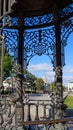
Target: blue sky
41, 65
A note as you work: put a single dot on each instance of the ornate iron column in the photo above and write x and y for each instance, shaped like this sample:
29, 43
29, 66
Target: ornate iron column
58, 61
58, 70
19, 102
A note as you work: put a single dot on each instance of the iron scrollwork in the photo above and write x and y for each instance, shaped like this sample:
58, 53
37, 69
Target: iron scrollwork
32, 21
36, 43
66, 11
66, 23
6, 114
10, 104
14, 21
11, 39
66, 30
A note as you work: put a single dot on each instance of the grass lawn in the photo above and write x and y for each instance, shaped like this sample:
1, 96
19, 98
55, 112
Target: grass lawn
69, 101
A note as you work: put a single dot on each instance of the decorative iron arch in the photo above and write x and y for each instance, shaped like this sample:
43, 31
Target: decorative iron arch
38, 42
67, 29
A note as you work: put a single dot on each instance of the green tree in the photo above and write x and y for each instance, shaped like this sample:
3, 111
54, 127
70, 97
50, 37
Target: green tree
30, 80
52, 86
39, 84
7, 64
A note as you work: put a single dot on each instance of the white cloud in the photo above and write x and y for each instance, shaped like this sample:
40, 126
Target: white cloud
40, 69
50, 73
68, 69
67, 74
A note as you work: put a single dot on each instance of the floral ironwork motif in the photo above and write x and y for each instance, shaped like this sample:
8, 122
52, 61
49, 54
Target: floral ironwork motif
38, 20
66, 30
34, 46
11, 40
67, 10
14, 21
6, 114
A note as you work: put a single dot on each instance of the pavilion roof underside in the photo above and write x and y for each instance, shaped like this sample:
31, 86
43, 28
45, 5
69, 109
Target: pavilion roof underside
38, 7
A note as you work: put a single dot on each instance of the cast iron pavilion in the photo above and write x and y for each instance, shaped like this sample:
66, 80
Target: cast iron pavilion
31, 28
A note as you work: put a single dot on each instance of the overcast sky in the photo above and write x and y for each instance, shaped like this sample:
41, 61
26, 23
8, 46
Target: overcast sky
41, 65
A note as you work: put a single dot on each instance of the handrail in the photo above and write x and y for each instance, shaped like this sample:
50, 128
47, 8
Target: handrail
46, 121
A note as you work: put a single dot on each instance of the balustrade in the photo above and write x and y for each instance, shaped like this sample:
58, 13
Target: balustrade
33, 111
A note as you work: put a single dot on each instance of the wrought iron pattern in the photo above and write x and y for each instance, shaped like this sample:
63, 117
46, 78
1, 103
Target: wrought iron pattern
67, 11
5, 7
6, 21
14, 21
17, 71
38, 42
45, 46
11, 40
38, 20
6, 114
66, 30
10, 103
33, 45
45, 19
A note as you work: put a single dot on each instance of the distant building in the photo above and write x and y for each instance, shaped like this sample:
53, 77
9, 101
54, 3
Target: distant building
70, 86
47, 85
45, 79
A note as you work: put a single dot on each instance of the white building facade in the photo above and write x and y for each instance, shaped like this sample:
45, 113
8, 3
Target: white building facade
70, 86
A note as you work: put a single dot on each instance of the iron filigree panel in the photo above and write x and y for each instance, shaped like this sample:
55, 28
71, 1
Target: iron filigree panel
38, 42
38, 20
5, 21
66, 11
14, 21
66, 30
11, 40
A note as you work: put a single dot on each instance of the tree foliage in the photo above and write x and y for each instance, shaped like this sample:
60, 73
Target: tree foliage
39, 84
52, 86
33, 83
7, 63
30, 80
